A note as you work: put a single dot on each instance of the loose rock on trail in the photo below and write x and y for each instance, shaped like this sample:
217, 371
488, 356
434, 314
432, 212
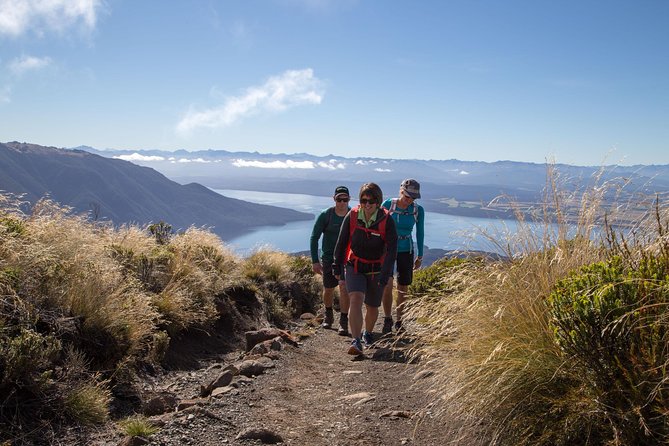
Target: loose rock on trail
306, 393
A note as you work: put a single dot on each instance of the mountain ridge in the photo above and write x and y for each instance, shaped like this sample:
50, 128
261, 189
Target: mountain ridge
454, 187
124, 192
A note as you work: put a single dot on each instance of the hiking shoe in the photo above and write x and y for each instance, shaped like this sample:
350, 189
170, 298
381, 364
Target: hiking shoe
355, 348
387, 325
398, 326
367, 338
328, 319
343, 326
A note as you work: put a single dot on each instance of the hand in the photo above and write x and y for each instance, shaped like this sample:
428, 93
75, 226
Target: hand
417, 263
317, 268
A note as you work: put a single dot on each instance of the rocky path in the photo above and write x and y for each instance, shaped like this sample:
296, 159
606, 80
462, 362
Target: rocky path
310, 395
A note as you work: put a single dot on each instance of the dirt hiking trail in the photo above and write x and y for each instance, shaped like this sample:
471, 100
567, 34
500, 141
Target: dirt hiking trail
312, 394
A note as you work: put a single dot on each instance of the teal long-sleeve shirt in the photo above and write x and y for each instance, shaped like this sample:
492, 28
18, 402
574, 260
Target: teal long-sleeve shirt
327, 224
405, 222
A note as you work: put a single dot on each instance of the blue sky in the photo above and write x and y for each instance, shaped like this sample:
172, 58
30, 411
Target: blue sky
581, 81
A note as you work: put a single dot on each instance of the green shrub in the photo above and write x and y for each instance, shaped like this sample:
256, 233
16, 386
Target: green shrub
26, 354
612, 320
161, 231
12, 225
430, 280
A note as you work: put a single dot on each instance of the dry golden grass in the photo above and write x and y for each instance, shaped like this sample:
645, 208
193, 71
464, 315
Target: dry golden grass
88, 403
100, 299
264, 265
499, 371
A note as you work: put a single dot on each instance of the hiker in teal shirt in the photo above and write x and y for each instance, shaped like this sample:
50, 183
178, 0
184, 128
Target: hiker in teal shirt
407, 214
327, 224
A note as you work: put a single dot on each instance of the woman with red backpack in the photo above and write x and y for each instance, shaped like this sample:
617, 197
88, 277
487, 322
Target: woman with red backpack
365, 253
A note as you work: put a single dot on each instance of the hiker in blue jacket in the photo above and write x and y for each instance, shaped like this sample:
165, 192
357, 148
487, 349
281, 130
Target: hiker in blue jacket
365, 253
327, 224
406, 213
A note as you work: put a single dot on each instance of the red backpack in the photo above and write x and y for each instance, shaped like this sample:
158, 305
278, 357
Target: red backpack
380, 230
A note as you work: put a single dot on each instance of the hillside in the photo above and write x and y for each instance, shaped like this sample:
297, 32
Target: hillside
120, 191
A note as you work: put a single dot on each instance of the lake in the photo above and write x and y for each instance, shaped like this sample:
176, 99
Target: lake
442, 231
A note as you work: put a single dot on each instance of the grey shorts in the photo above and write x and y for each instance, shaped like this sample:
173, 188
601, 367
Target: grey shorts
364, 283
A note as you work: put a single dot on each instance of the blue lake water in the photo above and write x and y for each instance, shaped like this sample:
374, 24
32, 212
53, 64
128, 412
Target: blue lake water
443, 231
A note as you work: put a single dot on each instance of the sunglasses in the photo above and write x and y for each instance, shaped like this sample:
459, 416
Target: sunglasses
343, 200
368, 200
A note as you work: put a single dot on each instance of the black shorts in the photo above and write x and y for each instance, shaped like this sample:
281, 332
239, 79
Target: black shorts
364, 283
404, 268
329, 280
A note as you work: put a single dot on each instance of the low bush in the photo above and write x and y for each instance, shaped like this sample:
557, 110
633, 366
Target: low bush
430, 280
611, 319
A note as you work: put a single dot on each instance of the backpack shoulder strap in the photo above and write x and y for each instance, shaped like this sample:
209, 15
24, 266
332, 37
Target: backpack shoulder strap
383, 218
328, 217
393, 205
352, 221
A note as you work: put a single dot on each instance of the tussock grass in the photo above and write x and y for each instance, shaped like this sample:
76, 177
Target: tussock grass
138, 426
88, 402
83, 305
264, 265
286, 284
488, 332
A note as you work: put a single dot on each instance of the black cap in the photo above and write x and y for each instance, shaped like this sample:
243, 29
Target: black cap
341, 190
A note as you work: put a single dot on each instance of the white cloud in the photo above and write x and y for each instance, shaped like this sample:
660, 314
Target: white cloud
464, 172
378, 169
139, 157
278, 94
331, 165
364, 162
20, 16
289, 164
193, 160
25, 63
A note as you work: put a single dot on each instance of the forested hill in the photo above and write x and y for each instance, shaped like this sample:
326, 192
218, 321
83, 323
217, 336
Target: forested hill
120, 191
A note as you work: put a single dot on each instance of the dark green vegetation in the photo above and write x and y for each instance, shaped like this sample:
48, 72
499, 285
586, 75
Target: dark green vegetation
86, 307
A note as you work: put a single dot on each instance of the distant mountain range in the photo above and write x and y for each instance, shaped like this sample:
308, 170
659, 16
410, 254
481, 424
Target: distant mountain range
123, 192
448, 186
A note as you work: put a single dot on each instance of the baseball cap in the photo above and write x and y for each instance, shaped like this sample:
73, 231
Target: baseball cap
341, 190
411, 187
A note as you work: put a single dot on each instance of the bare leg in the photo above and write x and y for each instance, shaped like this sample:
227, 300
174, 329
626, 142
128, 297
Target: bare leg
328, 297
370, 318
355, 313
388, 299
343, 298
401, 297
